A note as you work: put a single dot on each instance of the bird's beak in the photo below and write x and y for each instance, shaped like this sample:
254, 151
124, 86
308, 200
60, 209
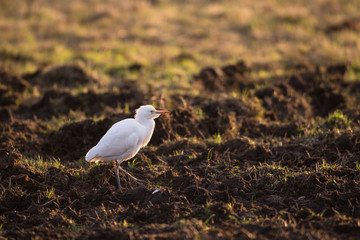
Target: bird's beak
161, 111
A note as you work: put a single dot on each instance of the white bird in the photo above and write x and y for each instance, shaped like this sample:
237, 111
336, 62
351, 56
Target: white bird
125, 138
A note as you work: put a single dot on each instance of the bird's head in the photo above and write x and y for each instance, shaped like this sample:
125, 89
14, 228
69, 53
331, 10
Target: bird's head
148, 112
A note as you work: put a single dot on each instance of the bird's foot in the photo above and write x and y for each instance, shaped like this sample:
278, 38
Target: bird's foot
140, 182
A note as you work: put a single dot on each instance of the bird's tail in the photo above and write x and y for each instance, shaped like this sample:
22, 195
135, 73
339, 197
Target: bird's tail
91, 155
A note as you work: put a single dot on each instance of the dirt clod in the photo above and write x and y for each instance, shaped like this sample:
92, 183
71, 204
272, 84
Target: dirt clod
67, 75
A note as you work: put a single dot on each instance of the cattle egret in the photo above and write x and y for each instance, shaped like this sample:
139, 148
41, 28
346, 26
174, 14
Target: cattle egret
125, 138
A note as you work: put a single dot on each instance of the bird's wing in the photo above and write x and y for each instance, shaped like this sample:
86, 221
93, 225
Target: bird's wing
122, 140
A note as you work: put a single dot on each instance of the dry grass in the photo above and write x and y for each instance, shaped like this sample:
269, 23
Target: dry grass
174, 39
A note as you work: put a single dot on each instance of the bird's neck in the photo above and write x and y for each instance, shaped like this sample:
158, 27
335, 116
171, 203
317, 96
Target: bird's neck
147, 130
146, 122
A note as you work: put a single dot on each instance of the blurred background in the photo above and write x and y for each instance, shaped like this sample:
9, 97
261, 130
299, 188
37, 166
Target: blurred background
169, 41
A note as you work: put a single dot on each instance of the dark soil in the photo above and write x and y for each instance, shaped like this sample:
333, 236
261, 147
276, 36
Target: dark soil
281, 161
68, 75
348, 24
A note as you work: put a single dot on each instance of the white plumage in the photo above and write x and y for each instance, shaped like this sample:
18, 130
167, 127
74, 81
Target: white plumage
122, 141
125, 138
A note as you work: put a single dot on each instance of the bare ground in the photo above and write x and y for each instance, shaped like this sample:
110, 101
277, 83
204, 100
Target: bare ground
280, 161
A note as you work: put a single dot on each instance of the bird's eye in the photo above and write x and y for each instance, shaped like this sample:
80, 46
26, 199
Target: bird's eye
152, 111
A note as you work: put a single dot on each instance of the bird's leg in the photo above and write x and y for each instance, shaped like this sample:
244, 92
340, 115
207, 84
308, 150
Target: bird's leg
117, 173
132, 177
